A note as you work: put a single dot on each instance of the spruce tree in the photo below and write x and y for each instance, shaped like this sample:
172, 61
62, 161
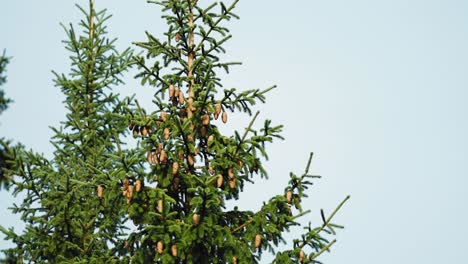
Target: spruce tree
72, 205
4, 143
192, 168
4, 101
174, 185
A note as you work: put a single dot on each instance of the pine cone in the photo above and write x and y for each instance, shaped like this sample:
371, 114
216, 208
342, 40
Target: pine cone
218, 108
301, 256
219, 181
196, 219
144, 131
166, 133
181, 98
190, 160
224, 117
138, 185
174, 250
159, 148
129, 194
159, 247
258, 240
175, 168
232, 183
99, 191
288, 196
135, 131
190, 104
163, 156
160, 206
126, 182
171, 91
163, 116
205, 119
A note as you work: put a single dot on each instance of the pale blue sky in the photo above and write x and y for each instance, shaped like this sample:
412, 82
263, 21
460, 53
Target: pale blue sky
377, 89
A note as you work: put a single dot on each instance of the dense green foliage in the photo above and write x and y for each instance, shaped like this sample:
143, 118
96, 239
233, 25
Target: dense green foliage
4, 144
173, 186
65, 221
4, 60
211, 167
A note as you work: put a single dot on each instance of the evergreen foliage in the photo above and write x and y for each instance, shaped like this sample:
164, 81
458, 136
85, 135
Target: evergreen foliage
4, 144
72, 206
4, 60
194, 166
174, 185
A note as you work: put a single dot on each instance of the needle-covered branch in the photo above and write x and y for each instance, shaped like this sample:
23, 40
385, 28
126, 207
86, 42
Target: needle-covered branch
313, 241
5, 158
71, 201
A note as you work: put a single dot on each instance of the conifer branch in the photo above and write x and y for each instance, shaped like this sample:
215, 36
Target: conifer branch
212, 27
242, 226
325, 248
327, 222
143, 65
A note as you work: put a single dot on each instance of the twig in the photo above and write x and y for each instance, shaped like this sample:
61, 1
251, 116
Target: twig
325, 248
326, 223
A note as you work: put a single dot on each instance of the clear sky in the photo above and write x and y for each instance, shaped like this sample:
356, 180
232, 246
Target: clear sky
376, 89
